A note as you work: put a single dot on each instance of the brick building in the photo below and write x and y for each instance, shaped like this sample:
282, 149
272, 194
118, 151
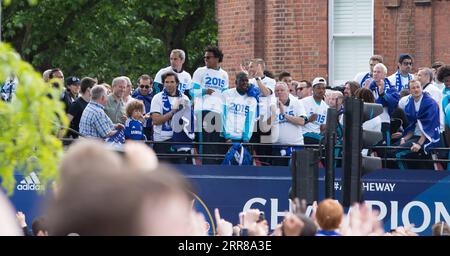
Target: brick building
334, 38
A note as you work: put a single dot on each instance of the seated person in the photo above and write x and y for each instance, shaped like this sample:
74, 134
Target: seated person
422, 133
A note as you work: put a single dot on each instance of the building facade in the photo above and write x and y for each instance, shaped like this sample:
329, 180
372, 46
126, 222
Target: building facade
332, 38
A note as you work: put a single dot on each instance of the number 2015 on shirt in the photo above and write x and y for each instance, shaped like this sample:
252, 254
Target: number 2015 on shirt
239, 108
214, 82
320, 118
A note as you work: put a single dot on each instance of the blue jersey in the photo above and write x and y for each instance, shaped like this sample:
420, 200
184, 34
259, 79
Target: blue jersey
134, 130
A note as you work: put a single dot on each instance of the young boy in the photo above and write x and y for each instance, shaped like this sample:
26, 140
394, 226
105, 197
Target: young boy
134, 125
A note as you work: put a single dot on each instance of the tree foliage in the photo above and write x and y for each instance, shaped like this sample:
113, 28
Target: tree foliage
104, 39
29, 124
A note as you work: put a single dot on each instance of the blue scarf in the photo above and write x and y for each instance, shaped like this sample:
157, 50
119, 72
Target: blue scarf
237, 155
167, 107
116, 139
253, 91
427, 118
367, 76
398, 81
373, 87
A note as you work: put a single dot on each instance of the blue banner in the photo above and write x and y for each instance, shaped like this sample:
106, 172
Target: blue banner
419, 197
403, 197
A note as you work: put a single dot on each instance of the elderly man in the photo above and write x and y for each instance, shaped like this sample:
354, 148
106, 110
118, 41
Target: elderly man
288, 118
385, 94
177, 59
94, 122
127, 94
115, 107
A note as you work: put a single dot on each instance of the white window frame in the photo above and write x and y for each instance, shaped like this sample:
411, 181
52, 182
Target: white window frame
331, 39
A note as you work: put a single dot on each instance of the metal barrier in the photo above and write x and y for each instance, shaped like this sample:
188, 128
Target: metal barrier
386, 150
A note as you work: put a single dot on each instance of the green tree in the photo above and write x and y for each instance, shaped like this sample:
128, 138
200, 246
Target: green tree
103, 38
29, 123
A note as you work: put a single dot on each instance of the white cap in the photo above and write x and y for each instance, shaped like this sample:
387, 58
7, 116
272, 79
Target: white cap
319, 80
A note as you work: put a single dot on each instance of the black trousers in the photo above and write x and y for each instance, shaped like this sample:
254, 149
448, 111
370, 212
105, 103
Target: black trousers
211, 127
263, 149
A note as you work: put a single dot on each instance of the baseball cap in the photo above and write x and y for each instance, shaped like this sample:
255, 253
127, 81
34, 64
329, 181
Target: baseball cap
71, 80
319, 80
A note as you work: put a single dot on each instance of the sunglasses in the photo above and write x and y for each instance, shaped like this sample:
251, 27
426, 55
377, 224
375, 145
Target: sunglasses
144, 86
208, 57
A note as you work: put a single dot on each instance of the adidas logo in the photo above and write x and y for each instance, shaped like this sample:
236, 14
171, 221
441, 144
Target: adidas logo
30, 182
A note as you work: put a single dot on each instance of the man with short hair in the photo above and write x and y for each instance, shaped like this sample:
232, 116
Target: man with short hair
304, 89
287, 78
422, 133
94, 122
145, 93
77, 107
401, 78
425, 77
365, 78
336, 99
115, 107
71, 92
435, 66
177, 59
239, 111
316, 111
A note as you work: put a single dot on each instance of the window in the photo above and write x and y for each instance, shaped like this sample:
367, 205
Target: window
350, 39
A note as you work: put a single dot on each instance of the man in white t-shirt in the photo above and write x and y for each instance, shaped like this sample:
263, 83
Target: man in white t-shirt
177, 59
208, 83
401, 78
163, 108
288, 119
316, 111
239, 111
